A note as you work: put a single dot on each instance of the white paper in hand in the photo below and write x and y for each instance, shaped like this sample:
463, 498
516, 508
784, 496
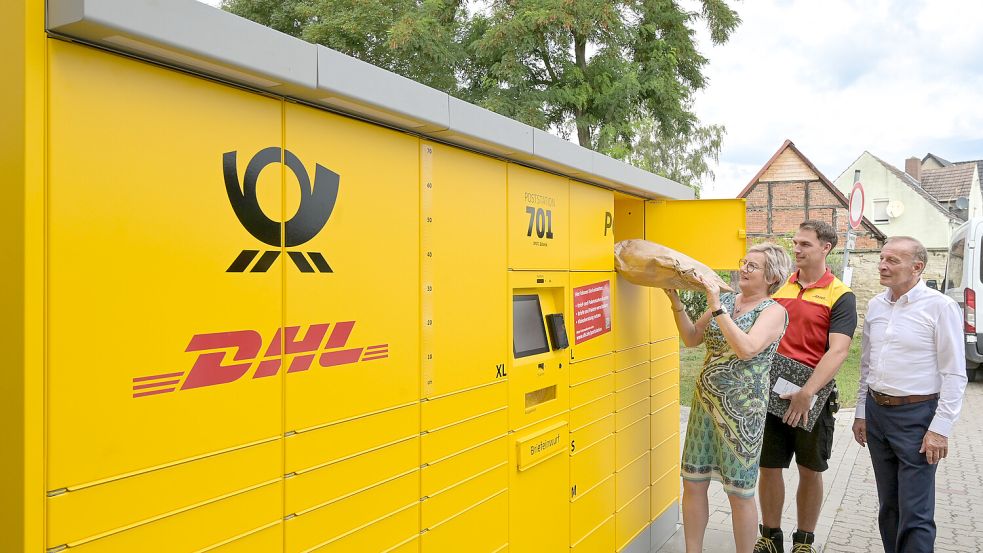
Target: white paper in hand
783, 387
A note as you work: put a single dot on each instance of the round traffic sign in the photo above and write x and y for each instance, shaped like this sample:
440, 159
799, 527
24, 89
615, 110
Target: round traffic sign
856, 205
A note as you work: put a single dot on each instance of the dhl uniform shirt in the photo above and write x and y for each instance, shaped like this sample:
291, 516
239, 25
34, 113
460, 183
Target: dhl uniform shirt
814, 313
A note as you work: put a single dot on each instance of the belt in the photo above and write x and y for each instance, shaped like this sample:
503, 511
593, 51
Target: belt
885, 400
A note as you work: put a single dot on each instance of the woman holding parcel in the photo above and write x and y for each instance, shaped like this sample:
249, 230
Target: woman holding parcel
727, 417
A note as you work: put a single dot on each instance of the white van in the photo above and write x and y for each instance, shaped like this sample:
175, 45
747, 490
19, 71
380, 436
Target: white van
963, 274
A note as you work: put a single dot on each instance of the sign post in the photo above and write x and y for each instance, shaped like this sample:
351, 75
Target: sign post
856, 218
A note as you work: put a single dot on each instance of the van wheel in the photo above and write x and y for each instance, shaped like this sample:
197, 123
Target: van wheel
972, 373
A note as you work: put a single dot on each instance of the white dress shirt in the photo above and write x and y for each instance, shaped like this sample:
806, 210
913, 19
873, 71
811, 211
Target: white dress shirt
914, 346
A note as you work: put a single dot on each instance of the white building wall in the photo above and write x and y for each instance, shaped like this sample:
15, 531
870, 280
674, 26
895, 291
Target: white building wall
920, 219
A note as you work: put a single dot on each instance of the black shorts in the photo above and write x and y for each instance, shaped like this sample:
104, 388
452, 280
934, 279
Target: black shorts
812, 449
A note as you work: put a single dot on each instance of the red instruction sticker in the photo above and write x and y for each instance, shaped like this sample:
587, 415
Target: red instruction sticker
591, 311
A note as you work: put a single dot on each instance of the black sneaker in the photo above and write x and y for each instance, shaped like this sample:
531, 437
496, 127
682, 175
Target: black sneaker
771, 540
802, 542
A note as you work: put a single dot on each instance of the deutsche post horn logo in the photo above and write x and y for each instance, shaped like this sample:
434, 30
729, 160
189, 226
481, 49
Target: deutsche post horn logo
316, 204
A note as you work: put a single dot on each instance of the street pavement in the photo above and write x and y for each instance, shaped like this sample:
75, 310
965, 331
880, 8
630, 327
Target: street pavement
848, 520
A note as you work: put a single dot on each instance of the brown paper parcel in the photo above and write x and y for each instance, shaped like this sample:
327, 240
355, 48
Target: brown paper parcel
649, 264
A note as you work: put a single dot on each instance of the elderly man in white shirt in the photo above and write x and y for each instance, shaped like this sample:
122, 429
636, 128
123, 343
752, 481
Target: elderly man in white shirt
912, 379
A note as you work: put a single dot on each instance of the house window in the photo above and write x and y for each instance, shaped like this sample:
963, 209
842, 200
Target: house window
880, 212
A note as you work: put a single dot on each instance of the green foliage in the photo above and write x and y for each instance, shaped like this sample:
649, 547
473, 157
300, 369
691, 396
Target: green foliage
619, 74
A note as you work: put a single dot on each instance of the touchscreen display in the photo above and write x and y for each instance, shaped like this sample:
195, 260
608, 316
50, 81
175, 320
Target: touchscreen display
528, 330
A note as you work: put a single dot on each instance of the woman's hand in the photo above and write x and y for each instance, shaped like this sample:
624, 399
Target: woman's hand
677, 304
713, 293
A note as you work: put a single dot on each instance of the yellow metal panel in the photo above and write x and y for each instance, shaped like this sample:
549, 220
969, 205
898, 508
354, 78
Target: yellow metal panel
539, 516
665, 493
664, 364
662, 324
664, 347
482, 528
592, 368
662, 382
332, 522
133, 268
459, 406
457, 438
631, 519
591, 434
631, 442
536, 447
463, 225
629, 415
631, 395
591, 228
538, 384
666, 397
590, 321
451, 502
326, 444
665, 422
411, 545
590, 412
22, 294
631, 306
633, 479
199, 528
590, 509
108, 507
268, 539
665, 455
590, 464
601, 539
315, 487
448, 472
585, 393
631, 376
393, 531
710, 231
539, 220
368, 359
631, 357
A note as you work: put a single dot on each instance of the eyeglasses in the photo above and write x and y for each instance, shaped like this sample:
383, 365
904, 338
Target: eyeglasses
748, 266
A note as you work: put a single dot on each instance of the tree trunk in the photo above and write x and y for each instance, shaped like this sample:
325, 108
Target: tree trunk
583, 127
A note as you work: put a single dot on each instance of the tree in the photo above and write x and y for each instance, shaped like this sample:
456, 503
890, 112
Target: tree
620, 75
682, 158
420, 40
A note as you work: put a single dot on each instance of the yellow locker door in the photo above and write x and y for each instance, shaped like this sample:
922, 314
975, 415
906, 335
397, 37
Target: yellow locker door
713, 232
591, 228
538, 220
464, 269
631, 302
152, 338
591, 321
357, 323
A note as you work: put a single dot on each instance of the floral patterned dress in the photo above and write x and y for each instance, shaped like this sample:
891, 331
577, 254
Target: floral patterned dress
727, 417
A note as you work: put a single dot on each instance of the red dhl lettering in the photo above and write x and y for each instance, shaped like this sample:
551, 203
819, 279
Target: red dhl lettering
211, 366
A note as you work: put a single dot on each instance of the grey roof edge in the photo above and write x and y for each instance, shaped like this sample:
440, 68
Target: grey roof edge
189, 35
914, 185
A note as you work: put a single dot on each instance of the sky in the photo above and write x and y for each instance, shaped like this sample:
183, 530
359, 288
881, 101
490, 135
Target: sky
897, 78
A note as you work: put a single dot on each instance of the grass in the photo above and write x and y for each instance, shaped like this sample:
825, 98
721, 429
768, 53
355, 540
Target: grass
847, 380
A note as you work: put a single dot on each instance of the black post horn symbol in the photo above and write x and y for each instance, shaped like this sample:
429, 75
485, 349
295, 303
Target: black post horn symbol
316, 204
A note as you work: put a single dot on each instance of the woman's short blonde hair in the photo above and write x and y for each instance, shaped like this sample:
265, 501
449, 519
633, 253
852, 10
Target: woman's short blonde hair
778, 265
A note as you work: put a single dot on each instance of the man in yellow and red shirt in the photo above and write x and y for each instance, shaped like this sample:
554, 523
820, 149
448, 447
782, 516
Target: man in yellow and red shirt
822, 314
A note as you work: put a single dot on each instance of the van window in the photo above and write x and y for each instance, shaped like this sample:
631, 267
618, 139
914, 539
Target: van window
954, 268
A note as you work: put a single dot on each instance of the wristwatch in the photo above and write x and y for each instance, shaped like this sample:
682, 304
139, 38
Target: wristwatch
718, 312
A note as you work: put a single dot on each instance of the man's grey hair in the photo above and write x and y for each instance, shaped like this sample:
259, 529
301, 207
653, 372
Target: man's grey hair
778, 265
918, 250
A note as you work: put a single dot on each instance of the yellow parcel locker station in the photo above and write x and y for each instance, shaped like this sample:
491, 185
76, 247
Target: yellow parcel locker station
274, 299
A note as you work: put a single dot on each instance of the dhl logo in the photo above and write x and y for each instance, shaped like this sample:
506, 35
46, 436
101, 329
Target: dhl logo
210, 366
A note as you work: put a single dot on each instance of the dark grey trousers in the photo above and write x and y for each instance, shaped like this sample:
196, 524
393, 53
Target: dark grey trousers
905, 480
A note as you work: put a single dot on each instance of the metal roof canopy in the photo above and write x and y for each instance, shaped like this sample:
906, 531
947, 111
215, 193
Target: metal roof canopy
193, 36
